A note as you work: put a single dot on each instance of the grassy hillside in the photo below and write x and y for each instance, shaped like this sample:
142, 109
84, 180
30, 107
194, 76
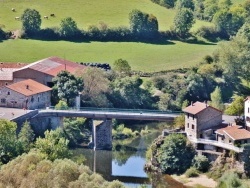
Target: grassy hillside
141, 56
85, 12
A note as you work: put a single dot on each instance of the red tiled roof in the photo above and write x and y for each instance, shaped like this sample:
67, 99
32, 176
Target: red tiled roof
28, 87
54, 65
235, 132
197, 107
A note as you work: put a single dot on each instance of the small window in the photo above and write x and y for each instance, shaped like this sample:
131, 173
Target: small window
248, 109
38, 99
245, 141
192, 126
6, 83
187, 125
193, 117
3, 100
8, 93
188, 115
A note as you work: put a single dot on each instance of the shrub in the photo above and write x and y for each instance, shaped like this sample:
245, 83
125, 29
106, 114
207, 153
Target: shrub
230, 179
201, 163
62, 105
192, 172
207, 32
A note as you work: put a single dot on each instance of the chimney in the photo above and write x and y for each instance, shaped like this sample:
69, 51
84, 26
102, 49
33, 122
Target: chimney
192, 103
27, 86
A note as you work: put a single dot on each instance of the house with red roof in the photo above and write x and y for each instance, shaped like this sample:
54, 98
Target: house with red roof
27, 94
43, 71
200, 117
233, 134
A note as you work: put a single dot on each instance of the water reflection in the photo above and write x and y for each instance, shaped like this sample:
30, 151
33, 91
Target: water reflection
126, 164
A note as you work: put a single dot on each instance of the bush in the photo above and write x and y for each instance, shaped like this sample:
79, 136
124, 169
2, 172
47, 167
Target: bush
62, 105
207, 32
192, 172
230, 179
201, 163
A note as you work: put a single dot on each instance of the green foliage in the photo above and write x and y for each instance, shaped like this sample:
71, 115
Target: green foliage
73, 130
53, 145
122, 67
68, 86
10, 146
68, 28
229, 22
230, 180
61, 105
201, 163
175, 155
237, 107
189, 4
26, 136
127, 93
31, 21
145, 25
216, 99
122, 132
179, 121
192, 172
96, 85
34, 170
183, 21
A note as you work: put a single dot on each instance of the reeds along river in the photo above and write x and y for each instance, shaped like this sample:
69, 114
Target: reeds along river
126, 163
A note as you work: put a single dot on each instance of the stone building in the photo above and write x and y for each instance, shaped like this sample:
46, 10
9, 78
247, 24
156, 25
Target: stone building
234, 134
199, 118
27, 94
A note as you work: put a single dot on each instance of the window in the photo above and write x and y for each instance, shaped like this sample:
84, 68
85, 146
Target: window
248, 109
38, 99
187, 125
245, 141
193, 117
8, 93
188, 115
192, 126
3, 100
6, 83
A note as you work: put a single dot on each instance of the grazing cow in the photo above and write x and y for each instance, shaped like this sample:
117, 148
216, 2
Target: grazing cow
13, 10
52, 15
46, 17
17, 18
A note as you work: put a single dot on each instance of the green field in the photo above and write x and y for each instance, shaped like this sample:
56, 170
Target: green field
84, 12
141, 56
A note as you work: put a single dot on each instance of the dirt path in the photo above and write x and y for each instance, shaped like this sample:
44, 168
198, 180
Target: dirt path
201, 180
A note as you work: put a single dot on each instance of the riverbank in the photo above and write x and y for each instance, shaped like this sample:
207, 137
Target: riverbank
201, 180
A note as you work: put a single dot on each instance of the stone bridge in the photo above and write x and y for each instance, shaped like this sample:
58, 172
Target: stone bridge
42, 120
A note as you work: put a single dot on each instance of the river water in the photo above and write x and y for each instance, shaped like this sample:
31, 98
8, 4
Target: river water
126, 163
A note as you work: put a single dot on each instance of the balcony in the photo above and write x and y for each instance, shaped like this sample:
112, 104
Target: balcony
216, 143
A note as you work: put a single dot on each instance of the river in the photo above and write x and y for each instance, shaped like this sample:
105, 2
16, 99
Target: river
126, 162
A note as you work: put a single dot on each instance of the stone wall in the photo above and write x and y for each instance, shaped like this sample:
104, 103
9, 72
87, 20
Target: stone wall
13, 99
102, 135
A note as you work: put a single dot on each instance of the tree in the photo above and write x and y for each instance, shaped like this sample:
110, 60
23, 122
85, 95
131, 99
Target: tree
122, 66
127, 93
175, 155
35, 170
68, 86
143, 24
165, 102
10, 147
26, 136
167, 3
54, 145
31, 21
96, 86
183, 21
237, 107
189, 4
68, 28
61, 105
216, 99
179, 121
229, 22
201, 163
211, 7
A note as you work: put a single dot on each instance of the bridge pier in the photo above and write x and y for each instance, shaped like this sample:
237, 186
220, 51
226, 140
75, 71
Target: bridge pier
102, 134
